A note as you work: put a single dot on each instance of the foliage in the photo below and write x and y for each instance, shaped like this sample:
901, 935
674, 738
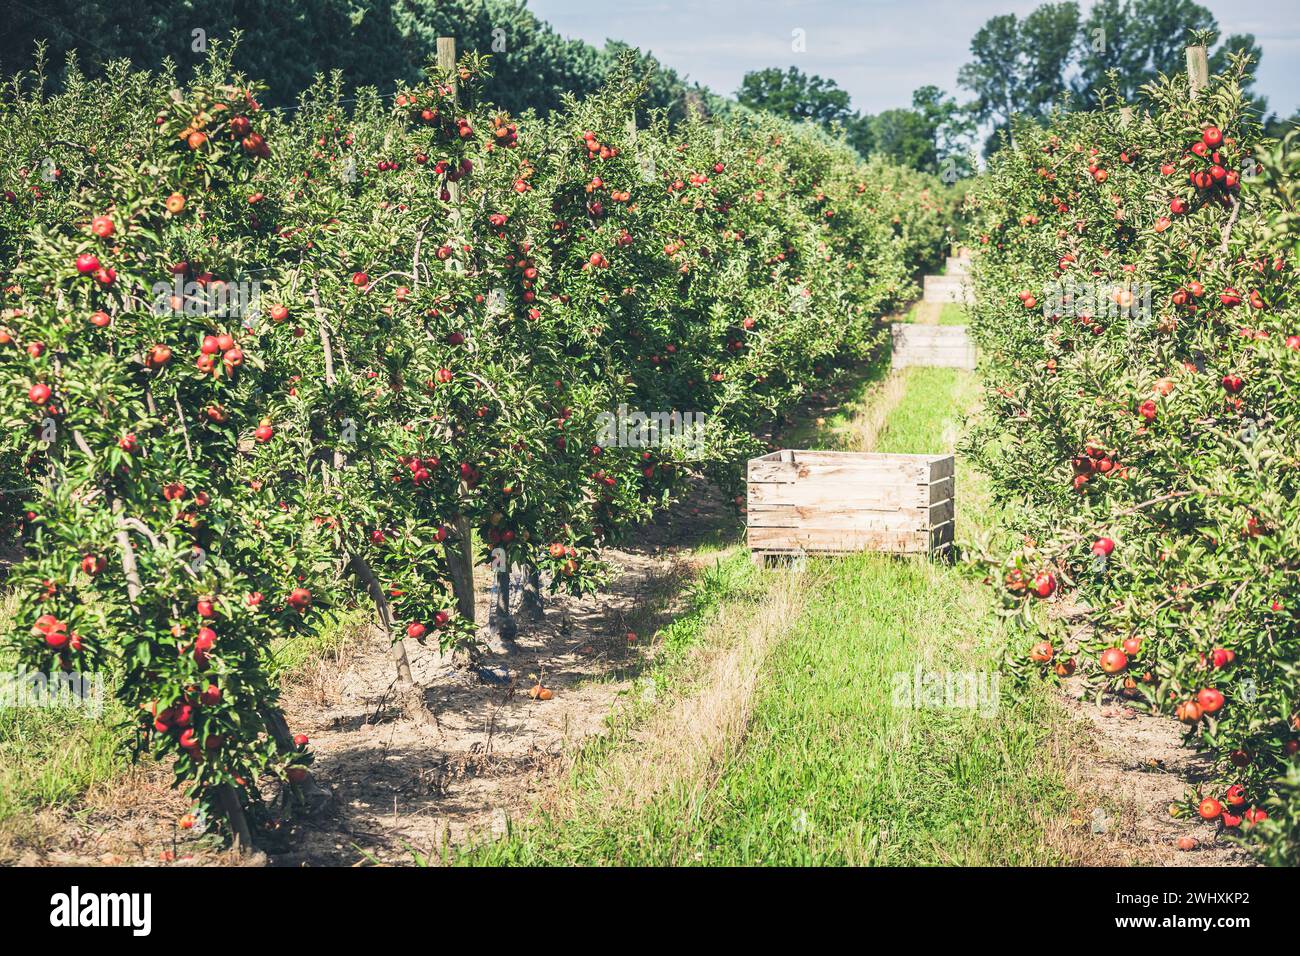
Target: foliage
1024, 66
378, 43
450, 302
1137, 313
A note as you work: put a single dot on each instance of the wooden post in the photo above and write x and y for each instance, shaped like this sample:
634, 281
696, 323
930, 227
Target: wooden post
531, 599
447, 62
1198, 68
460, 558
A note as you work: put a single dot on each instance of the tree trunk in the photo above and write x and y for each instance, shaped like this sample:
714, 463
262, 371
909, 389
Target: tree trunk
413, 704
531, 600
309, 795
460, 561
501, 624
240, 835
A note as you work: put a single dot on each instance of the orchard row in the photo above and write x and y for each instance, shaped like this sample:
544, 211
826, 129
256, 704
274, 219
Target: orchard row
1153, 456
446, 305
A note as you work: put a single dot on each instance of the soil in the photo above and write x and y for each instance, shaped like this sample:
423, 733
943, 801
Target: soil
1140, 766
404, 787
1143, 767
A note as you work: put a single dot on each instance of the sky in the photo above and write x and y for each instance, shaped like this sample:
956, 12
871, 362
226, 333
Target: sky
877, 50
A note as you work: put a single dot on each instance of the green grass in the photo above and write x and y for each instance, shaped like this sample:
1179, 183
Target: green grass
913, 313
952, 314
731, 580
832, 768
855, 391
292, 653
928, 418
50, 757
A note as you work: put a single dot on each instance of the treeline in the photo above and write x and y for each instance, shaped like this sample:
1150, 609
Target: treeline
1020, 66
379, 43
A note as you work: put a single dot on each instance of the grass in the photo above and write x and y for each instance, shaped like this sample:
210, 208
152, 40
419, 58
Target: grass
292, 654
51, 757
950, 313
831, 764
858, 391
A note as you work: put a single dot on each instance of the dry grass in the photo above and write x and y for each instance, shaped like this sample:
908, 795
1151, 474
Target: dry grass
683, 745
320, 679
864, 430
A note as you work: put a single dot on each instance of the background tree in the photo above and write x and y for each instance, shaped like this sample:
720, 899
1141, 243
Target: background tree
794, 95
1022, 66
1047, 45
994, 75
952, 128
1140, 39
379, 43
905, 137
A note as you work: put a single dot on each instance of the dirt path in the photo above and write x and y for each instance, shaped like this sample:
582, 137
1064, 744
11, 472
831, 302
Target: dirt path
1141, 767
403, 786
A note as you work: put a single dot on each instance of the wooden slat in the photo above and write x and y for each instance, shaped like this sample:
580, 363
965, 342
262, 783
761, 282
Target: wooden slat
922, 353
940, 513
821, 519
916, 471
942, 466
784, 472
937, 491
913, 469
826, 516
964, 358
823, 456
840, 494
914, 334
829, 541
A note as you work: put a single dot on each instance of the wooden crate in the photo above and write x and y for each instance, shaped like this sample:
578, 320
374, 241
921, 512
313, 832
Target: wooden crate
954, 288
834, 502
935, 346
